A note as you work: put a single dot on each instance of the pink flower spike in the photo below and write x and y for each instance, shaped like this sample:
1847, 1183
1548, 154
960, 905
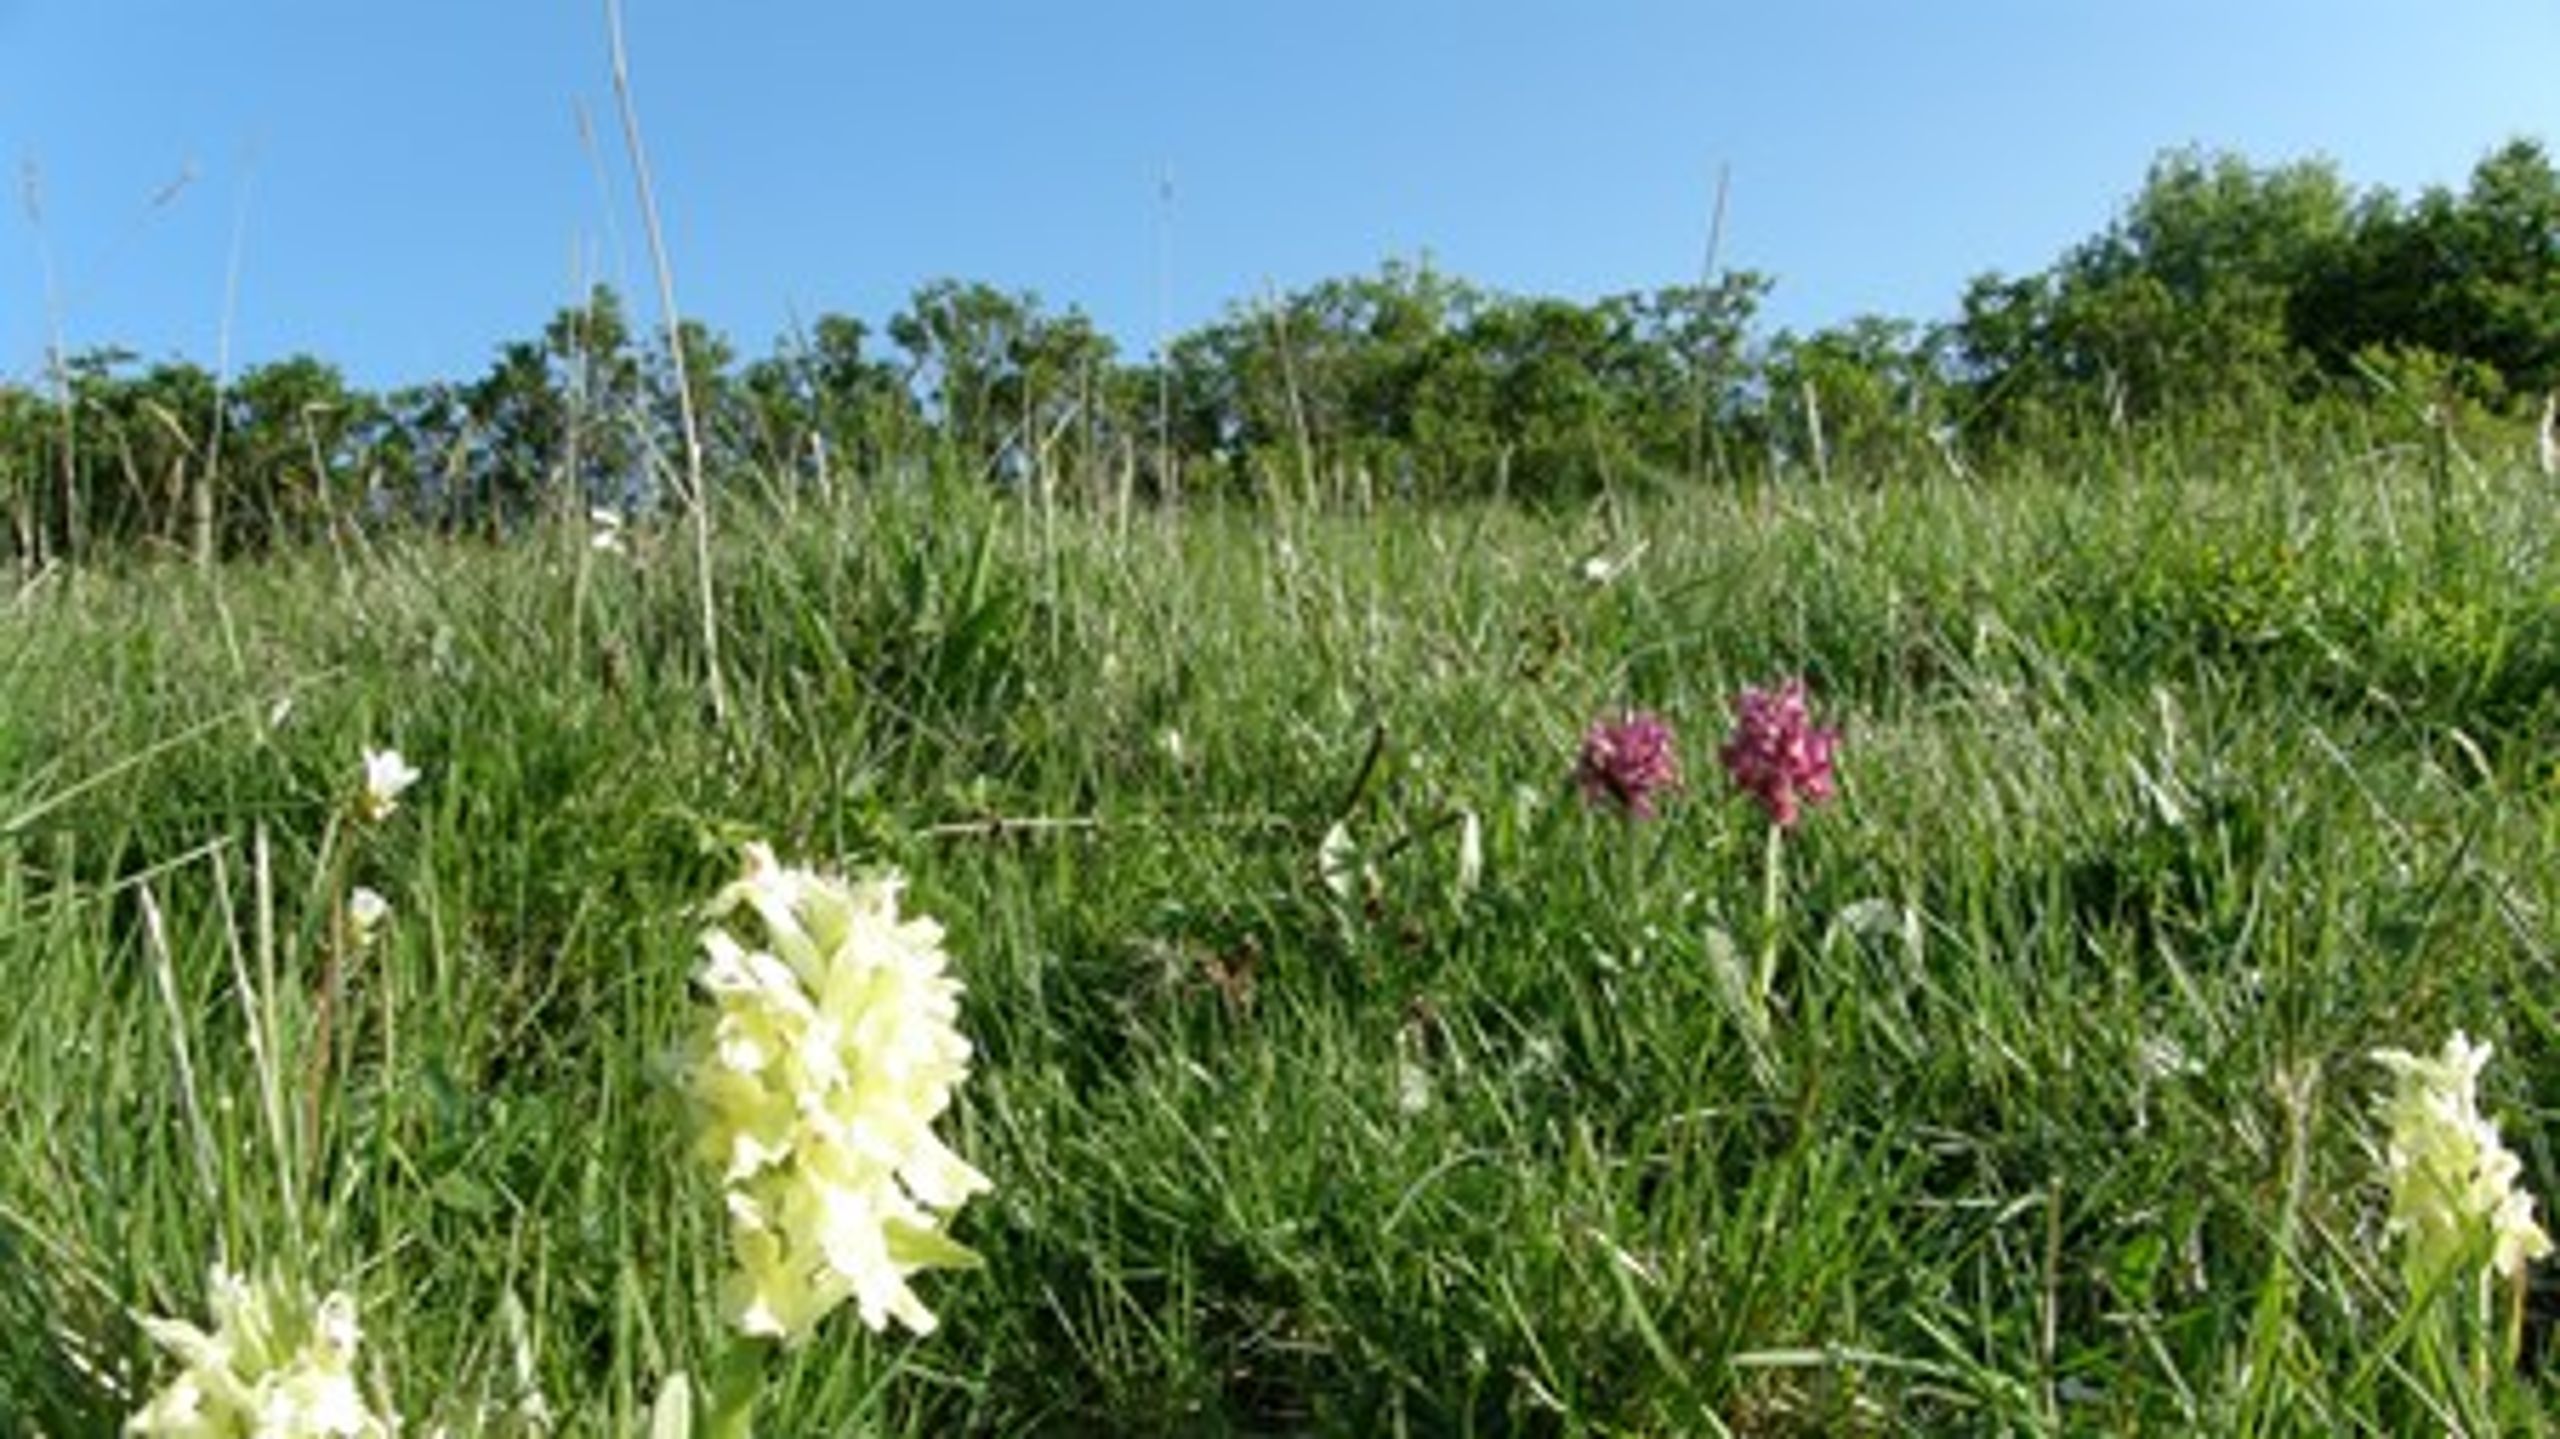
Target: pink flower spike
1628, 761
1776, 754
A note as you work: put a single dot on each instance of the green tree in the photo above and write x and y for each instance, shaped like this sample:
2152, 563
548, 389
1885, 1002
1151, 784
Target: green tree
1682, 372
821, 405
1519, 401
1317, 389
2472, 277
417, 452
519, 429
602, 413
719, 411
2180, 306
24, 453
1055, 383
1864, 398
960, 340
289, 465
143, 452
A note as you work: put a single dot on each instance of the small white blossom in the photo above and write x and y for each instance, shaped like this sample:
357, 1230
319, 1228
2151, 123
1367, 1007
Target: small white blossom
1413, 1085
1338, 860
2158, 1056
1470, 870
1601, 568
386, 774
366, 910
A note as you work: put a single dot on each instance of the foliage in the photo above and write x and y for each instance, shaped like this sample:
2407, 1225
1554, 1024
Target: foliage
2224, 298
2224, 286
2157, 807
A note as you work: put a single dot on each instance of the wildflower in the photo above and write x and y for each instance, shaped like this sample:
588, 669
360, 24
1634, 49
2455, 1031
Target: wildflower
2453, 1183
2158, 1056
386, 774
1600, 568
366, 910
815, 1091
1776, 754
1413, 1085
1338, 861
274, 1365
532, 1411
1470, 871
1629, 761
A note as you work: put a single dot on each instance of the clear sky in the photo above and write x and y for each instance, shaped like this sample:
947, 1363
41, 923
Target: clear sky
400, 188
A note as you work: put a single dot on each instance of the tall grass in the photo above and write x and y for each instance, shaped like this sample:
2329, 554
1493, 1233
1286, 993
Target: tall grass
2167, 796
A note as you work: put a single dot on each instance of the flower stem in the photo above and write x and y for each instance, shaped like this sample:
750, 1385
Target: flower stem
2512, 1333
734, 1387
320, 1065
1772, 895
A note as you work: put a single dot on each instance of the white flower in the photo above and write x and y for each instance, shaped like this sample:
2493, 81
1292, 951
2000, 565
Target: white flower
2453, 1183
386, 774
275, 1366
605, 530
2158, 1056
1601, 568
366, 910
1338, 860
815, 1089
1413, 1085
1470, 872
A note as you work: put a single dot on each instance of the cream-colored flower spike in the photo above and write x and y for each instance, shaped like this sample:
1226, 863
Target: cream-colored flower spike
2454, 1198
833, 1050
275, 1366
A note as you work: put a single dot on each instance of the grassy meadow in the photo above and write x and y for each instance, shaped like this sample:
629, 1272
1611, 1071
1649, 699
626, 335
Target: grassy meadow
2171, 787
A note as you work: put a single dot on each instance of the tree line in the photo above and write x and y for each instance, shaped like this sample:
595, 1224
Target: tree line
2221, 293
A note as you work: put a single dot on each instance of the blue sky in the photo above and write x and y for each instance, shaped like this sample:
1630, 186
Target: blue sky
401, 188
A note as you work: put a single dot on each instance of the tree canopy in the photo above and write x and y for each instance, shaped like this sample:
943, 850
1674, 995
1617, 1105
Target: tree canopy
2221, 288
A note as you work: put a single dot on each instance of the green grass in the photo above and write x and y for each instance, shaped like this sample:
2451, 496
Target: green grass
2164, 802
